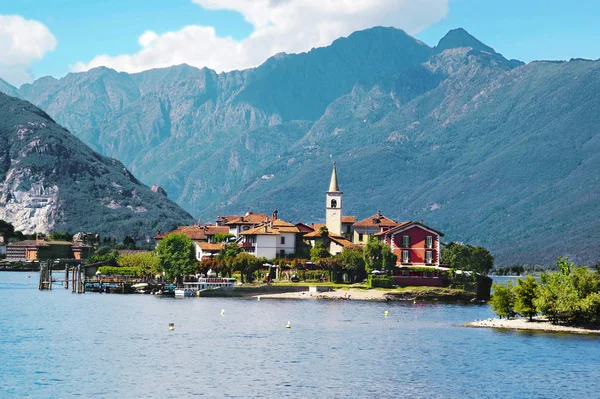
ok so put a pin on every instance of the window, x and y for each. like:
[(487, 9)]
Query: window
[(429, 242), (348, 229), (333, 203), (282, 253), (428, 256), (282, 240), (360, 236), (405, 241), (405, 256), (251, 239)]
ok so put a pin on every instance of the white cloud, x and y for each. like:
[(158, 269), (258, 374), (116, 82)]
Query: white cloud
[(22, 41), (279, 26)]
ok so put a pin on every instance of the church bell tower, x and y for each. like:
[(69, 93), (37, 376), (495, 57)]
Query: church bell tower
[(333, 217)]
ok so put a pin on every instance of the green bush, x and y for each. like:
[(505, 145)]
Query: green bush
[(380, 282)]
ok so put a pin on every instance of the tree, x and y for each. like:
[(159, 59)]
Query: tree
[(222, 237), (246, 264), (7, 230), (564, 266), (467, 257), (378, 256), (61, 236), (147, 264), (177, 255), (525, 294), (318, 252), (353, 263), (129, 242), (503, 300)]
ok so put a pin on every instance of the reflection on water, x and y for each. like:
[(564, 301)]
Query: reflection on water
[(58, 344)]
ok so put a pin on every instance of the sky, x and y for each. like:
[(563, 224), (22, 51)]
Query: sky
[(55, 37)]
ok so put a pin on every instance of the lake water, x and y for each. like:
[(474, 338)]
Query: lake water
[(55, 344)]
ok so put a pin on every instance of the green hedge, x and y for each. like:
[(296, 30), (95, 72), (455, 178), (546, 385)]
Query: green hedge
[(118, 271), (380, 282)]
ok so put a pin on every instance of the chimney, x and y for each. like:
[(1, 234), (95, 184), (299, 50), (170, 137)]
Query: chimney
[(265, 228), (271, 224), (422, 221), (275, 214), (379, 213), (158, 232)]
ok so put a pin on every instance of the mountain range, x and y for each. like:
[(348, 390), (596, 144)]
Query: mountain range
[(50, 180), (491, 151)]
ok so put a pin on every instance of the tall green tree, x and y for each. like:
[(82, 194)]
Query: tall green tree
[(378, 256), (177, 255), (525, 294), (318, 252), (467, 257), (503, 300), (353, 263)]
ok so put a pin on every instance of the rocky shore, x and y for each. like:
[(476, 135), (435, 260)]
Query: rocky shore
[(523, 324)]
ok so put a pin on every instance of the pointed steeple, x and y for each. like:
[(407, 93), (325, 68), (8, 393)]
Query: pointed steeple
[(333, 185)]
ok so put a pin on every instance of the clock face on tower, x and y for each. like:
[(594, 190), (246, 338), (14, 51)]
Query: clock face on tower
[(334, 213)]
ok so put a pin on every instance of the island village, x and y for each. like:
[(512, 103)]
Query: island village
[(262, 248)]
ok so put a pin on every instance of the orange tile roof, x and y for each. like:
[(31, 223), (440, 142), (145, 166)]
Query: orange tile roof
[(348, 219), (197, 232), (278, 227), (343, 242), (250, 218), (317, 226), (377, 220), (209, 246)]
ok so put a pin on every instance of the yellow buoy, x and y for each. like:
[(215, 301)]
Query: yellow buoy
[(222, 312), (386, 313), (288, 325), (415, 301), (171, 326), (258, 298)]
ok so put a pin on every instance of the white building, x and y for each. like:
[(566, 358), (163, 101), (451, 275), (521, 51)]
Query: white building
[(274, 239)]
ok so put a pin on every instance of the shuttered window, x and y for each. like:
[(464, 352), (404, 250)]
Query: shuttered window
[(428, 256), (405, 241), (429, 242), (405, 256)]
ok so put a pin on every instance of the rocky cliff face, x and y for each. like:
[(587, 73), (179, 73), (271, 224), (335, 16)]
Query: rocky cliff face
[(51, 180), (489, 150)]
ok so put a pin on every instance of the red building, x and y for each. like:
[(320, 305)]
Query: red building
[(417, 247)]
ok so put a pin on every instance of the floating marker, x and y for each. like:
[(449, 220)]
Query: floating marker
[(386, 313), (171, 326), (415, 301), (258, 298), (222, 312), (288, 325)]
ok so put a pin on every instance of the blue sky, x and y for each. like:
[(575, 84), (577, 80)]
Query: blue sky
[(83, 31)]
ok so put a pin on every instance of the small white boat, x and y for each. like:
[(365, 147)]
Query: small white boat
[(29, 276), (192, 288)]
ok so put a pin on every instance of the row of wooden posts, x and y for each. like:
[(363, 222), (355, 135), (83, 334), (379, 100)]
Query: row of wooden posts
[(77, 282)]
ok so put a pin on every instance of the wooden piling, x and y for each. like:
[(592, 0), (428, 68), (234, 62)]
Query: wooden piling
[(66, 277), (73, 280)]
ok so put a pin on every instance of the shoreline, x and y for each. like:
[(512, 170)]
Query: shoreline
[(538, 324), (430, 295)]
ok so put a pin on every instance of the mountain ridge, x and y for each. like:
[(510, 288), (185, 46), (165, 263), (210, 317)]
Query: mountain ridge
[(50, 180), (419, 132)]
